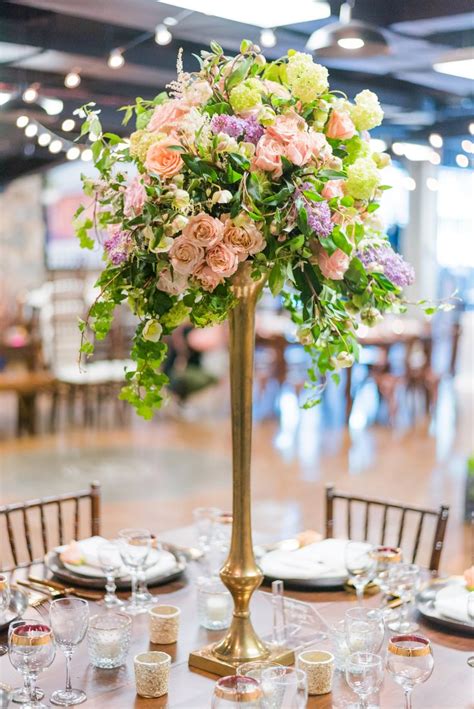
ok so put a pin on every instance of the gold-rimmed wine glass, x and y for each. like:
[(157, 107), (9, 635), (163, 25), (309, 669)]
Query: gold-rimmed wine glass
[(31, 649), (410, 662)]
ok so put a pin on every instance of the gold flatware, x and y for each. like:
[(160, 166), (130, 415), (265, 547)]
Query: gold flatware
[(45, 593), (54, 586)]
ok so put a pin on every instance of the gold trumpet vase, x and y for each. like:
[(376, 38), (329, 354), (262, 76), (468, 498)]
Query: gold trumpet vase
[(240, 573)]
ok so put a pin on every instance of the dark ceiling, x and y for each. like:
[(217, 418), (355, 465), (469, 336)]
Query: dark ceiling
[(41, 40)]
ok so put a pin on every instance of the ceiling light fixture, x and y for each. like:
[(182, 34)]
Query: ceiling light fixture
[(68, 125), (30, 94), (471, 128), (73, 153), (347, 35), (268, 38), (72, 79), (22, 121), (56, 146), (436, 140), (86, 155), (31, 130), (44, 139), (462, 160), (162, 35), (116, 59)]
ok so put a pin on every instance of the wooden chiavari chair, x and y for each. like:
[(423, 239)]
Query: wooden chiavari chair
[(30, 529), (400, 525)]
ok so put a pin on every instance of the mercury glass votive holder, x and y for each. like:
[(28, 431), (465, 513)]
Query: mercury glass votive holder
[(108, 639), (215, 605), (152, 670), (164, 624)]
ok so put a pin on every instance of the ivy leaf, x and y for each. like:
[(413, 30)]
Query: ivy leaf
[(341, 241), (276, 279), (372, 207), (313, 196)]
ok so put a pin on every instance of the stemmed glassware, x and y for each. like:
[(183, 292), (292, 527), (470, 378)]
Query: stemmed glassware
[(410, 662), (404, 580), (110, 563), (236, 690), (134, 546), (361, 565), (31, 649), (364, 675), (69, 620), (384, 557), (364, 629), (22, 694), (284, 687)]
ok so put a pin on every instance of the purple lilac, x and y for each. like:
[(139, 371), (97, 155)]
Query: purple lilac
[(253, 131), (394, 266), (318, 213), (230, 125), (118, 246)]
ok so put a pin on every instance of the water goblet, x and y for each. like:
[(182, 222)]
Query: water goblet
[(385, 556), (21, 694), (410, 662), (31, 650), (69, 620), (364, 629), (236, 690), (4, 594), (284, 688), (364, 675), (361, 565), (256, 668), (404, 579), (110, 563), (134, 546), (205, 519)]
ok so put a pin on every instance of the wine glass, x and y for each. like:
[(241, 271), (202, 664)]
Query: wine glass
[(364, 629), (21, 695), (404, 579), (205, 519), (31, 649), (4, 594), (385, 556), (285, 687), (69, 620), (410, 662), (110, 563), (236, 690), (134, 546), (364, 675), (361, 565)]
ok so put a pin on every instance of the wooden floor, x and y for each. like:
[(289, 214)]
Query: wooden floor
[(154, 474)]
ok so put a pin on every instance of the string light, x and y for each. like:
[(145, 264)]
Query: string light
[(30, 94), (351, 42), (72, 79), (73, 153), (68, 125), (31, 130), (435, 159), (162, 35), (432, 184), (44, 139), (22, 121), (116, 59), (409, 184), (436, 140), (471, 128), (56, 146), (86, 155), (268, 38), (462, 160), (467, 146)]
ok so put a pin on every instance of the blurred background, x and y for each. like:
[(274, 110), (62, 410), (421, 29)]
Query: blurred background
[(399, 425)]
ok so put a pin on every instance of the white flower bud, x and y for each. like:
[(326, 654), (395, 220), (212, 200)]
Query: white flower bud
[(152, 331), (221, 197)]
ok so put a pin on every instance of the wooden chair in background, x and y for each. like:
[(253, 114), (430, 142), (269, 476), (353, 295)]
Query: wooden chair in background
[(30, 529), (400, 525)]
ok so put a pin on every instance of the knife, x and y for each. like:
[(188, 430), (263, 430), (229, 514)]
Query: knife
[(67, 590)]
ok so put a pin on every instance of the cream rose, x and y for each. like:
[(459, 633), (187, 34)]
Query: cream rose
[(185, 255), (299, 150), (207, 278), (244, 239), (204, 230), (172, 284), (222, 260), (163, 161)]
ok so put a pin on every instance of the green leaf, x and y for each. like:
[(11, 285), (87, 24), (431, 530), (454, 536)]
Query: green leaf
[(296, 242), (218, 108), (341, 241), (347, 201), (332, 174), (372, 207), (239, 74), (276, 279), (314, 196), (356, 277)]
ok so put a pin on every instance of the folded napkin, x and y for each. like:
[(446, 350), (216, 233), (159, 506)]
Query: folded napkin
[(82, 558), (319, 560), (451, 601)]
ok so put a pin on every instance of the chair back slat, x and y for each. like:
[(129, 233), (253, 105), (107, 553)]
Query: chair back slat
[(407, 526), (33, 525)]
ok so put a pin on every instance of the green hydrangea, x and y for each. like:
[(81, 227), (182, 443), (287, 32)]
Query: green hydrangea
[(306, 79), (356, 148), (366, 113), (246, 95), (140, 141), (175, 315), (362, 178)]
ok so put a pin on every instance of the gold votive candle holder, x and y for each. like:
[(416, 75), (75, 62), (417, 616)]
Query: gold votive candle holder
[(152, 670), (164, 624), (319, 668)]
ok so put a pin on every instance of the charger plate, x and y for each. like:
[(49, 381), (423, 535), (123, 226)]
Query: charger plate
[(425, 602)]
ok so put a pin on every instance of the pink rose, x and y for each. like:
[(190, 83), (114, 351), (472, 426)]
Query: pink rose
[(163, 161), (340, 126), (166, 116), (134, 200), (204, 230), (245, 239), (276, 89), (172, 284), (286, 127), (333, 188), (299, 150), (185, 255), (333, 266), (268, 155), (198, 93), (322, 151), (208, 278), (222, 260)]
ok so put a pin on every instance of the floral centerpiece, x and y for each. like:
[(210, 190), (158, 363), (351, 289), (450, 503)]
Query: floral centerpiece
[(241, 161)]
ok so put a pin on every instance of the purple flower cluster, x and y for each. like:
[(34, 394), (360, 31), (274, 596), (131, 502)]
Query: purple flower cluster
[(118, 246), (318, 213), (394, 266), (235, 127)]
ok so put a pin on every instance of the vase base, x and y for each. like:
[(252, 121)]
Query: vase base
[(205, 660)]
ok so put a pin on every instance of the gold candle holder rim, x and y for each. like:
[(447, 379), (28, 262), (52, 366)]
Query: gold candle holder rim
[(409, 651), (164, 611), (155, 661)]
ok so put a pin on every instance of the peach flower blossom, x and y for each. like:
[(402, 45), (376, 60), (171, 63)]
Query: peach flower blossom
[(198, 93), (340, 126), (333, 266), (321, 149), (245, 239), (268, 155), (134, 199), (185, 255), (167, 115), (163, 161), (172, 284), (333, 188), (222, 260), (207, 278), (204, 230), (276, 89), (299, 150), (286, 127)]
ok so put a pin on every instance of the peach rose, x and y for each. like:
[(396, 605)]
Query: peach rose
[(185, 255), (198, 93), (134, 199), (166, 116), (299, 150), (268, 155), (245, 239), (321, 149), (286, 127), (333, 188), (204, 230), (207, 278), (163, 161), (333, 266), (172, 284), (276, 89), (222, 260), (340, 126)]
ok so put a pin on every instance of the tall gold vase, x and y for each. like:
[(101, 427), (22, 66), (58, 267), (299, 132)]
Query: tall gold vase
[(240, 572)]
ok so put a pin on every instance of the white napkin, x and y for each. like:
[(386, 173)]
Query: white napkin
[(159, 561), (451, 601), (319, 560)]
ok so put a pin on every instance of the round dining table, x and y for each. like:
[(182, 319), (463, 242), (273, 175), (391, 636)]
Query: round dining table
[(450, 686)]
